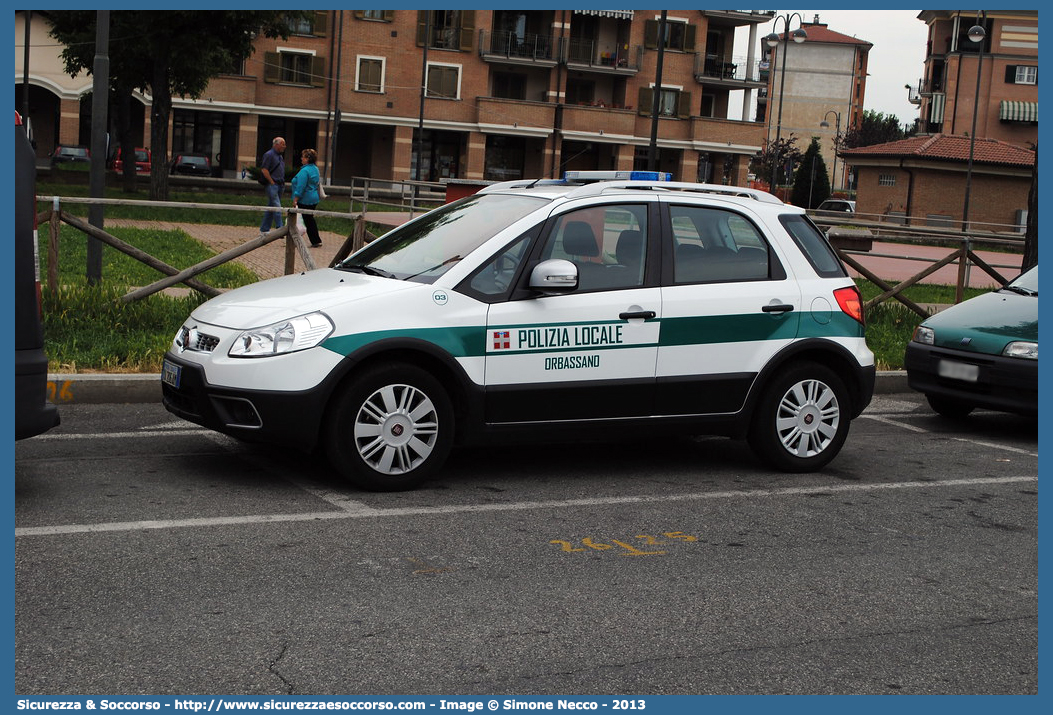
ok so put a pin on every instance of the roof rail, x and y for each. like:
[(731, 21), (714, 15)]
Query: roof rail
[(520, 184), (601, 186)]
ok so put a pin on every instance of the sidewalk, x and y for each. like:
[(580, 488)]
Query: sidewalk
[(267, 261)]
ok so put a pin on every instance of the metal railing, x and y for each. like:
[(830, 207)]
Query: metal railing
[(513, 45)]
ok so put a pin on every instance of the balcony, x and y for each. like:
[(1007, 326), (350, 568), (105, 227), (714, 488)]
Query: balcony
[(511, 47), (734, 72), (590, 55)]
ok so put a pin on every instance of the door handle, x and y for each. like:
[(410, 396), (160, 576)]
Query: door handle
[(638, 315), (777, 308)]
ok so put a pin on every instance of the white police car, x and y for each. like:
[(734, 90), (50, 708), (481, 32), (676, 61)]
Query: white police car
[(545, 309)]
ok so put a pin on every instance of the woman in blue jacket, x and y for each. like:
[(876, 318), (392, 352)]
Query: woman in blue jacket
[(305, 192)]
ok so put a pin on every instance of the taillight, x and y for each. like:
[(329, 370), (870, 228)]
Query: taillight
[(851, 302)]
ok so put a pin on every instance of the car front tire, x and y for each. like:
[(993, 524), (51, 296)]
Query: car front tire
[(801, 420), (391, 429), (949, 407)]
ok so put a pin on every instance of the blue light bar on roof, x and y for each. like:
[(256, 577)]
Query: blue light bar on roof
[(617, 176)]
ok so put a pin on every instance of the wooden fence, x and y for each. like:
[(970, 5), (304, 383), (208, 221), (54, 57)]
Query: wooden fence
[(294, 245), (851, 240)]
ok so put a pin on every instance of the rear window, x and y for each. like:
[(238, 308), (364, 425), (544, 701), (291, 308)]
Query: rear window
[(813, 245)]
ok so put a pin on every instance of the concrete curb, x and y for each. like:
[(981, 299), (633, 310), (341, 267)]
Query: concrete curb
[(99, 389)]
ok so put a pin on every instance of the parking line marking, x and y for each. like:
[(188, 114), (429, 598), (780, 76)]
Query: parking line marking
[(993, 445), (120, 435), (514, 506), (895, 423)]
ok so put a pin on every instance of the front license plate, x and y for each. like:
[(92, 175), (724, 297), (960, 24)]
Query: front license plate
[(959, 371), (170, 374)]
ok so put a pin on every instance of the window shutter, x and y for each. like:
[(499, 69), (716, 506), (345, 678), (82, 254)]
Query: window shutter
[(467, 30), (272, 66), (1010, 74), (689, 38), (683, 105), (389, 15), (359, 14), (317, 71), (651, 34), (422, 27), (645, 101), (321, 23)]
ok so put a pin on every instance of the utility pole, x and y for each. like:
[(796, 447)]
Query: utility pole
[(656, 97), (100, 101)]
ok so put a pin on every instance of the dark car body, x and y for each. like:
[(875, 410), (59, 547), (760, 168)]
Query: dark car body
[(980, 353), (33, 413), (192, 165), (142, 161), (67, 154)]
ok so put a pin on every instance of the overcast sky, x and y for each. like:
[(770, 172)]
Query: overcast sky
[(896, 59)]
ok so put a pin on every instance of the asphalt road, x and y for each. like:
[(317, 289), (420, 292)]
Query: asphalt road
[(153, 557)]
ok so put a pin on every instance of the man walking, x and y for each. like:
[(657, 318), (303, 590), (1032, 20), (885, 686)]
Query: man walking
[(272, 167)]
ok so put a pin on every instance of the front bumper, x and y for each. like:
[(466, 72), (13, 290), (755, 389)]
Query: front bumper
[(1004, 384), (286, 418)]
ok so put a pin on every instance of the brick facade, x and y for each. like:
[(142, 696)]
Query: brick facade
[(530, 93)]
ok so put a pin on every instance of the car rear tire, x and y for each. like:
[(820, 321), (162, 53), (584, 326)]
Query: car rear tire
[(949, 407), (391, 429), (802, 419)]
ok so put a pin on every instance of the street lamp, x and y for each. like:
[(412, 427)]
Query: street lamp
[(773, 39), (837, 132), (977, 33)]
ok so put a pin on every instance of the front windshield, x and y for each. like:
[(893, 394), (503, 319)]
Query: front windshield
[(425, 249), (1027, 280)]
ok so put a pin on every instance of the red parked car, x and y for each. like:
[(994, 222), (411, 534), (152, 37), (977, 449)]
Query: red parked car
[(142, 161)]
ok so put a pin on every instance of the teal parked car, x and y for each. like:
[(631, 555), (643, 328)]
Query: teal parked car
[(980, 353)]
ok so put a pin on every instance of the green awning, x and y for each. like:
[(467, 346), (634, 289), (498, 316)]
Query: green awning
[(1011, 111)]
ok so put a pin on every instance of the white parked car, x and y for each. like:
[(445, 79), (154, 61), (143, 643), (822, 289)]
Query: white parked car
[(547, 309)]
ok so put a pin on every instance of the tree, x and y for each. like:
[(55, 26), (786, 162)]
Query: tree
[(166, 52), (874, 128), (811, 184), (1031, 231), (778, 157)]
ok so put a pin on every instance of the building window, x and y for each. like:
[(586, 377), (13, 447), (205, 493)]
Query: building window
[(295, 68), (668, 100), (378, 15), (370, 74), (508, 85), (672, 102), (1026, 75), (301, 68), (580, 91), (446, 29), (301, 25), (444, 81), (679, 34), (886, 180), (314, 24)]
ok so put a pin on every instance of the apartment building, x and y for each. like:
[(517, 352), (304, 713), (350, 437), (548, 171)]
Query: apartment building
[(1001, 72), (480, 95), (822, 79)]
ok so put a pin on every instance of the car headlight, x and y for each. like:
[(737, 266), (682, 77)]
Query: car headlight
[(287, 336), (925, 336), (1021, 349)]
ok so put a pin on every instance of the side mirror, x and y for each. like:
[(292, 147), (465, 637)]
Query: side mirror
[(554, 277)]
